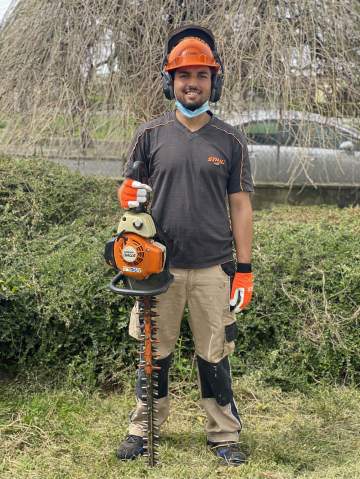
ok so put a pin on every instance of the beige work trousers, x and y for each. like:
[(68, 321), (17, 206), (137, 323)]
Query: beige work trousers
[(206, 292)]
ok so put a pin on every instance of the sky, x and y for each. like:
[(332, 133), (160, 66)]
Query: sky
[(3, 7)]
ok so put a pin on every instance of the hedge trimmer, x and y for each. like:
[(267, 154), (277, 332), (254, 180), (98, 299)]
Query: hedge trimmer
[(143, 272)]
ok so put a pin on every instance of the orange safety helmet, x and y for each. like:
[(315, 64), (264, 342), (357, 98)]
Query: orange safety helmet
[(191, 51)]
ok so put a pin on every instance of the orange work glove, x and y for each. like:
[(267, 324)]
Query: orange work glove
[(241, 291), (131, 193)]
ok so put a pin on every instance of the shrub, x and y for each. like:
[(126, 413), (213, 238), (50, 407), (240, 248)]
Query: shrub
[(55, 308), (303, 323)]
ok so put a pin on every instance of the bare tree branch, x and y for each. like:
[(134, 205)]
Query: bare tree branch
[(91, 69)]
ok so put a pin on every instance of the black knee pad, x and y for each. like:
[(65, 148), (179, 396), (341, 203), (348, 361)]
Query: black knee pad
[(162, 378), (215, 380)]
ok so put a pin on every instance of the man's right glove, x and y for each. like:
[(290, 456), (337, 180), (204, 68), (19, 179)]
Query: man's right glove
[(131, 193)]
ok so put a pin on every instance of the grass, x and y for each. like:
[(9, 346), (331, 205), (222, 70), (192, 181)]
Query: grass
[(64, 433)]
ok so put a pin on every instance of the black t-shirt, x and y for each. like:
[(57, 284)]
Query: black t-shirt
[(191, 174)]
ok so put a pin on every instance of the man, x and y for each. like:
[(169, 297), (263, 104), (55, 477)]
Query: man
[(196, 165)]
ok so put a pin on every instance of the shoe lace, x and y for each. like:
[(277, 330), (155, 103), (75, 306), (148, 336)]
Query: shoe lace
[(227, 449), (132, 438), (234, 448)]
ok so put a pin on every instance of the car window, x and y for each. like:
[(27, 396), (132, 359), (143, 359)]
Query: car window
[(315, 135), (271, 132), (263, 132), (289, 133), (296, 133)]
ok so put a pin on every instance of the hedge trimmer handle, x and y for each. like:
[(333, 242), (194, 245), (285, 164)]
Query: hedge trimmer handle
[(156, 284), (136, 174)]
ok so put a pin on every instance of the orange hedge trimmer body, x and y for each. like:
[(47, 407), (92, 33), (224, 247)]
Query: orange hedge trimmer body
[(143, 273), (138, 257)]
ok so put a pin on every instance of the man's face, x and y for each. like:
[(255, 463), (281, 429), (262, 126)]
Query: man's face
[(192, 86)]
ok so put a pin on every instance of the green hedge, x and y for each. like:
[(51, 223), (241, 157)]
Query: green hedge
[(55, 308), (56, 312), (304, 322)]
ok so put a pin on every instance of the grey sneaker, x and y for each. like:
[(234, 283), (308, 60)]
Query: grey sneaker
[(131, 447), (228, 452)]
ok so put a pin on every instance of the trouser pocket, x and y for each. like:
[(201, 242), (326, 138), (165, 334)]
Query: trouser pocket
[(229, 269), (231, 332)]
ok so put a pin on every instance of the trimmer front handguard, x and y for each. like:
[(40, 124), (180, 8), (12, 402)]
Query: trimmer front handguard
[(154, 285)]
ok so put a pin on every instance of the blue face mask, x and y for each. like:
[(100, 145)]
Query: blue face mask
[(192, 113)]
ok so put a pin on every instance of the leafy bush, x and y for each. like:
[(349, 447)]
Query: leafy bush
[(303, 323), (55, 308), (57, 313)]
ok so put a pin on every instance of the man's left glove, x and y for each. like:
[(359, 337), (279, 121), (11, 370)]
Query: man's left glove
[(241, 291)]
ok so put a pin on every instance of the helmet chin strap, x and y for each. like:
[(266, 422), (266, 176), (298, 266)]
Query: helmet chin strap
[(192, 113)]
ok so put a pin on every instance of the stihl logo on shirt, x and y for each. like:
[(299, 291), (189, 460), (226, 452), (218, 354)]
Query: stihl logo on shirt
[(216, 161)]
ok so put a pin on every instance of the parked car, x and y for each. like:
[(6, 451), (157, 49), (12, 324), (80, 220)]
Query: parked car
[(296, 148)]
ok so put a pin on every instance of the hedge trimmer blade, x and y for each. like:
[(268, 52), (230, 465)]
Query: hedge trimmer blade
[(149, 384)]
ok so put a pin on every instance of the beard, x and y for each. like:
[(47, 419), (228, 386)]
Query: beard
[(192, 106)]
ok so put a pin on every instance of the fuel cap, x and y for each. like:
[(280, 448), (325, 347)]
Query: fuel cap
[(137, 224)]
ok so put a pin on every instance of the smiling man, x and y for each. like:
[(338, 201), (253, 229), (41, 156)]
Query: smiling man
[(196, 166)]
